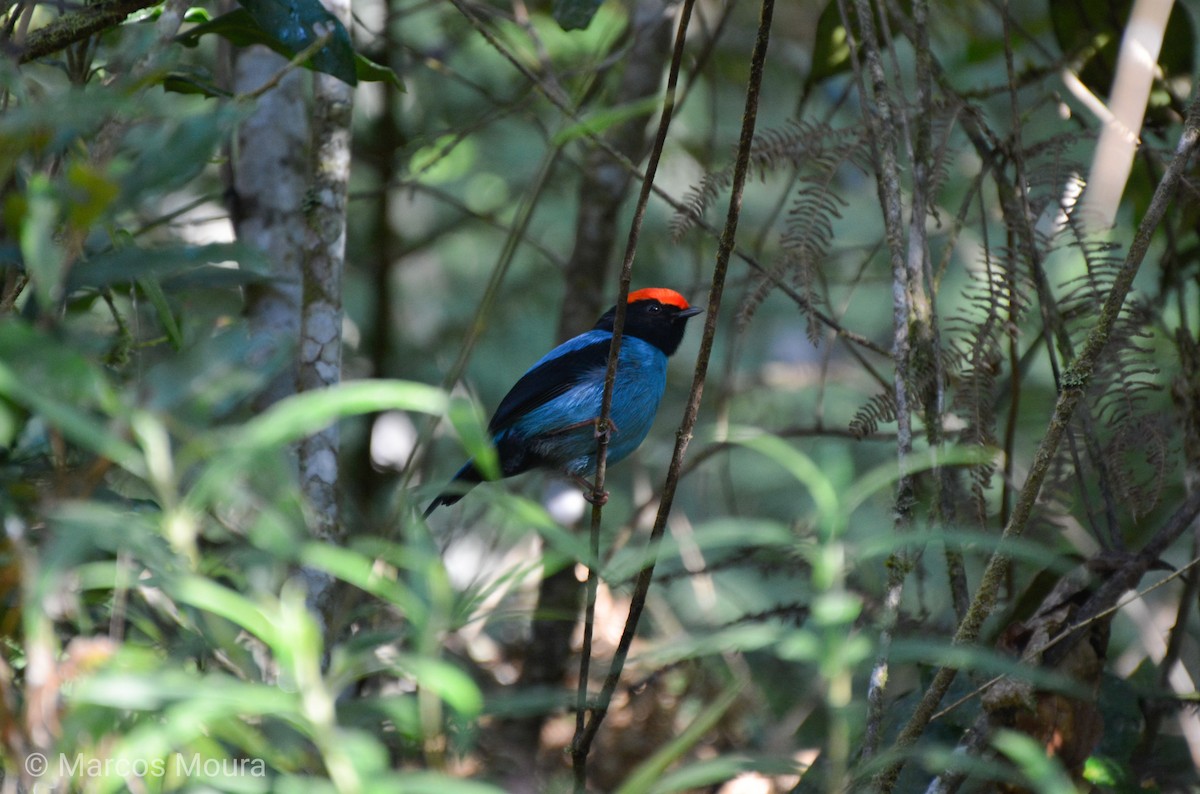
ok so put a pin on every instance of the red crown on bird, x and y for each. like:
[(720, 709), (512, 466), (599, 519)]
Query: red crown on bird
[(667, 297)]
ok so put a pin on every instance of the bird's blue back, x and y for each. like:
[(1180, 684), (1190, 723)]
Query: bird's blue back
[(541, 433)]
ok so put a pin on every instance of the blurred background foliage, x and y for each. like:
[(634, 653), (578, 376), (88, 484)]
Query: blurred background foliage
[(157, 556)]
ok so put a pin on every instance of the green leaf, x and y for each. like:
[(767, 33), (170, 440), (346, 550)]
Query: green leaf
[(713, 538), (298, 24), (364, 573), (984, 661), (601, 120), (575, 14), (1104, 771), (302, 414), (193, 81), (369, 71), (153, 290), (741, 638), (703, 775), (436, 783), (238, 28), (130, 263), (1044, 774), (288, 27), (171, 152), (831, 46), (44, 258), (472, 431), (33, 367), (836, 608), (652, 769), (209, 377), (831, 519), (233, 606), (445, 680)]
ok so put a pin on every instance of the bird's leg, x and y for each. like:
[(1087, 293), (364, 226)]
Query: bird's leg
[(611, 430), (593, 422), (589, 490)]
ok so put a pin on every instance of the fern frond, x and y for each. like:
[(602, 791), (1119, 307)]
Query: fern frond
[(878, 410), (1128, 449)]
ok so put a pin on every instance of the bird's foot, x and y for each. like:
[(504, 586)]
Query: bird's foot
[(593, 498), (589, 491), (610, 430), (594, 423)]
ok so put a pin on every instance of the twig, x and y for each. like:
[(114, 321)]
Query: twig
[(976, 736), (1075, 379), (296, 62), (603, 190), (579, 745), (1103, 601), (1018, 215), (691, 412), (559, 102), (1154, 709), (880, 118), (1178, 521)]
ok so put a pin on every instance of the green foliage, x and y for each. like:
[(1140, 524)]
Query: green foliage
[(289, 29), (157, 561), (575, 14), (160, 577), (218, 657)]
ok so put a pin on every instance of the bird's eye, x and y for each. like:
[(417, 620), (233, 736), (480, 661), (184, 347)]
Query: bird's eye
[(655, 308)]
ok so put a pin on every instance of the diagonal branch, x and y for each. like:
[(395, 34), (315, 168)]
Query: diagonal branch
[(1074, 382), (580, 745), (74, 26), (604, 425), (691, 412)]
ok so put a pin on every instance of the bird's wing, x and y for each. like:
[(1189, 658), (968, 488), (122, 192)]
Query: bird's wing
[(559, 370)]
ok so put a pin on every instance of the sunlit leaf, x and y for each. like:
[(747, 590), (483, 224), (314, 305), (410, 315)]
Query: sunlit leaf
[(158, 299), (367, 574), (303, 414), (651, 770), (831, 45), (208, 595), (471, 427), (1044, 773), (600, 121), (45, 260), (449, 683), (130, 263)]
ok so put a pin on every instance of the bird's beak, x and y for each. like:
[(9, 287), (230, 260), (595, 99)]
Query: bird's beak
[(690, 312)]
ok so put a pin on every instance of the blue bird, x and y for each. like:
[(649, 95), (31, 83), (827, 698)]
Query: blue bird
[(548, 420)]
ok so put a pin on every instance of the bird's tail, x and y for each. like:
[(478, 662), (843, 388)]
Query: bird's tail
[(466, 479)]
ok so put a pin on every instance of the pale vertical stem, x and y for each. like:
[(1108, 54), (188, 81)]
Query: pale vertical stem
[(320, 356), (906, 267), (1119, 137), (269, 178)]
